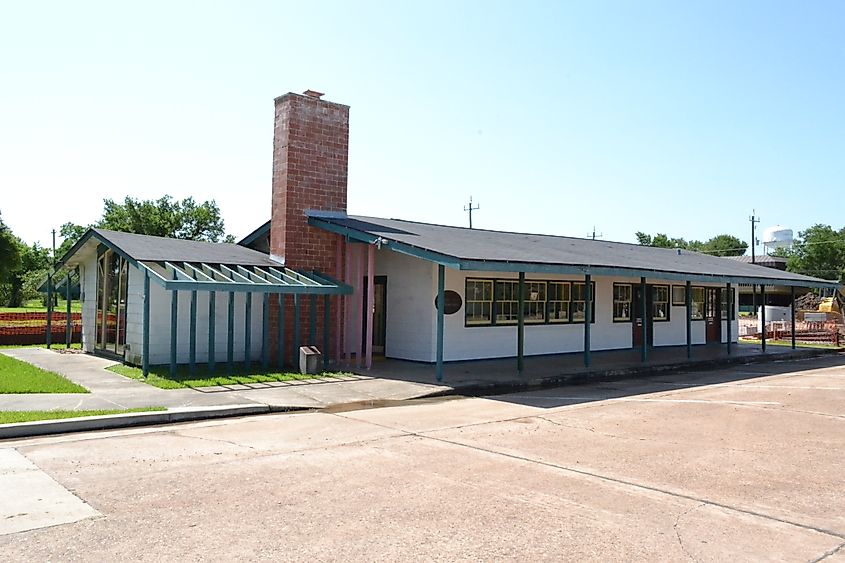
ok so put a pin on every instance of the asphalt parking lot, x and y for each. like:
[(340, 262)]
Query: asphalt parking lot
[(746, 463)]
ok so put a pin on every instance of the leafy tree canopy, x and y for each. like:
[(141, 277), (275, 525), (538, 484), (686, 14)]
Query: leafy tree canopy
[(720, 245), (164, 217), (819, 251), (9, 252)]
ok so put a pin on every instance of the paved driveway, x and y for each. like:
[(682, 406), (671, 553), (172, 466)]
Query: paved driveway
[(744, 464)]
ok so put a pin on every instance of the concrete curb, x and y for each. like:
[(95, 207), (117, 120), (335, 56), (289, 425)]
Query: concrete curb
[(615, 374), (111, 421)]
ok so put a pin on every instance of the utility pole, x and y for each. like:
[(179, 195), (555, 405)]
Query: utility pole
[(754, 220), (593, 235), (470, 209)]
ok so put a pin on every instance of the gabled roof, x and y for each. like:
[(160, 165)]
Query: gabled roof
[(189, 265), (485, 250)]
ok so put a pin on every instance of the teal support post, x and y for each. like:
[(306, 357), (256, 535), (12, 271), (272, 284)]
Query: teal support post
[(192, 349), (441, 282), (212, 309), (520, 324), (763, 316), (326, 335), (312, 320), (68, 324), (644, 312), (792, 314), (145, 344), (689, 319), (729, 314), (49, 310), (281, 350), (297, 315), (230, 344), (588, 317), (265, 332), (174, 327), (248, 333)]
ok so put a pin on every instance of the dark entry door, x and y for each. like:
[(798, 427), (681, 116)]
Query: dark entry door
[(637, 317), (379, 313), (713, 314)]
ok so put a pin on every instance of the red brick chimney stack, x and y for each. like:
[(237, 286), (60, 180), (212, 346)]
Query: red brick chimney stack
[(310, 167)]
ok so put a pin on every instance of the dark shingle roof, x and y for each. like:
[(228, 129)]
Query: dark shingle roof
[(146, 248), (480, 245)]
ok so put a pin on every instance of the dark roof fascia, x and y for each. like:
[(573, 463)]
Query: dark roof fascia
[(396, 246), (255, 235), (103, 240), (528, 267)]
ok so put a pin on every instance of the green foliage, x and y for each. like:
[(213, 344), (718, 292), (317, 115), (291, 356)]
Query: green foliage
[(9, 417), (164, 217), (160, 376), (70, 233), (9, 252), (819, 251), (21, 377), (720, 245)]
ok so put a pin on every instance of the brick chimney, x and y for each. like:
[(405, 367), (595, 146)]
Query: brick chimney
[(310, 165)]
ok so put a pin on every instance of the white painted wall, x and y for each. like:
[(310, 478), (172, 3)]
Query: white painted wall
[(411, 318), (88, 287), (410, 305)]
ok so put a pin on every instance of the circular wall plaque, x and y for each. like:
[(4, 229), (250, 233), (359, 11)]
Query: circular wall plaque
[(453, 302)]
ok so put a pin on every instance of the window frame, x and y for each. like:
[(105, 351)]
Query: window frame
[(467, 302), (725, 305), (572, 302), (630, 302), (668, 303), (568, 301), (703, 312), (682, 302), (546, 307)]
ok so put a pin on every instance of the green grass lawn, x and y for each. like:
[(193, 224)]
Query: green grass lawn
[(8, 417), (160, 376), (73, 345), (772, 342), (20, 377), (35, 306)]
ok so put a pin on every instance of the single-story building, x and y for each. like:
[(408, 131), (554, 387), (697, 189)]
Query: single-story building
[(406, 290)]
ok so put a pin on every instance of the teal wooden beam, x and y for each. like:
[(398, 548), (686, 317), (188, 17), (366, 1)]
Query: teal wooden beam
[(145, 344), (281, 350), (520, 323), (441, 282), (728, 303), (326, 324), (588, 317), (265, 331), (792, 315), (297, 315), (192, 352), (68, 325), (312, 326), (689, 319), (174, 326), (230, 344), (644, 312), (248, 333), (49, 310), (763, 316), (212, 310)]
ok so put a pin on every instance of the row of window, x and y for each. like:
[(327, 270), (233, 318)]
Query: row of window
[(496, 302)]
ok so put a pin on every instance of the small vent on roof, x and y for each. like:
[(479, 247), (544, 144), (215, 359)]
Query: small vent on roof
[(313, 94)]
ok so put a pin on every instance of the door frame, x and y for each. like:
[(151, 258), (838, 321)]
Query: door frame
[(382, 281), (636, 319)]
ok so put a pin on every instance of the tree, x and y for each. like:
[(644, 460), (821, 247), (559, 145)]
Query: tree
[(71, 233), (724, 245), (820, 252), (164, 217), (31, 271), (9, 252)]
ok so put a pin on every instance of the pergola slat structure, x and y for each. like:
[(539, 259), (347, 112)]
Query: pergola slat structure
[(213, 278)]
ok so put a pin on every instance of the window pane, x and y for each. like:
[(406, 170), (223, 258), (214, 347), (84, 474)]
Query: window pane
[(479, 302), (622, 302)]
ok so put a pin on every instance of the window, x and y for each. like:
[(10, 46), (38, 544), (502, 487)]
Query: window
[(679, 295), (622, 301), (534, 309), (697, 304), (479, 302), (726, 306), (660, 302), (579, 303), (507, 305), (559, 302)]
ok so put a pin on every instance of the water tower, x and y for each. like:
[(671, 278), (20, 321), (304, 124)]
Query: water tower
[(776, 237)]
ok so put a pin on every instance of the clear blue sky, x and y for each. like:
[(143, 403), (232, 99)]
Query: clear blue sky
[(675, 117)]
